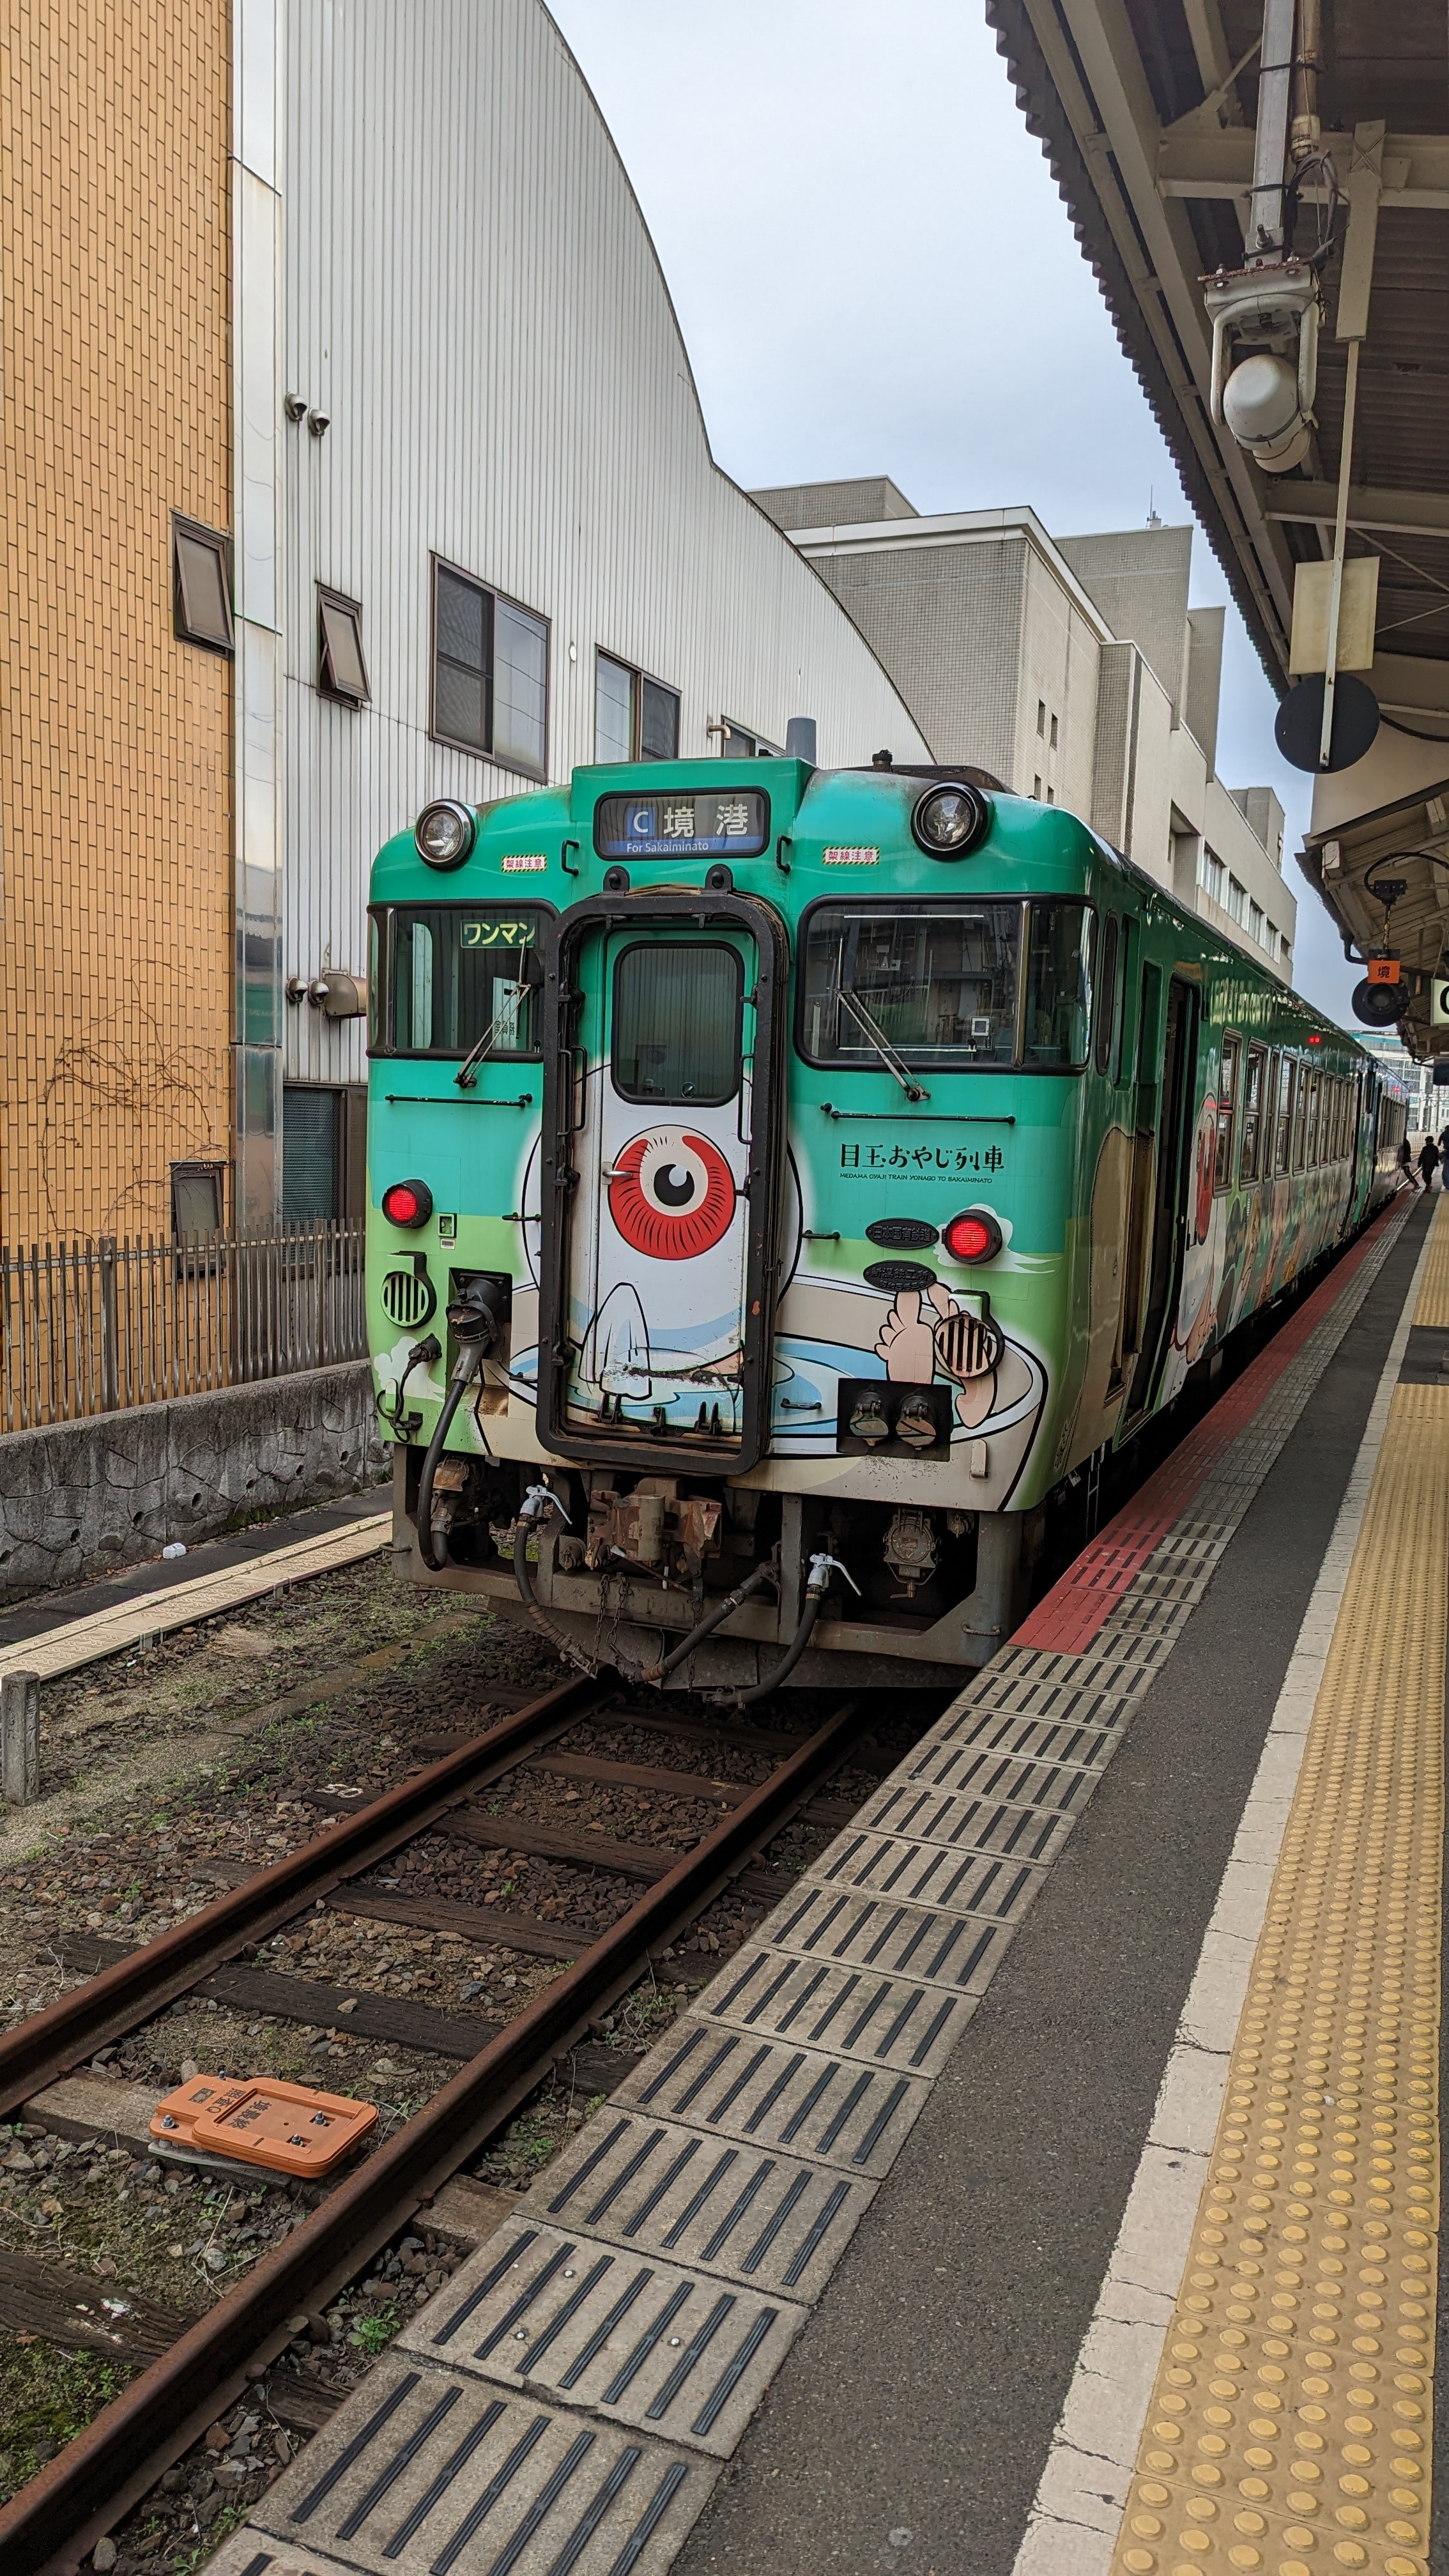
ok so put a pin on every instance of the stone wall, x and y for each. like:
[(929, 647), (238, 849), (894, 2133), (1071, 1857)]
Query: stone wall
[(79, 1499)]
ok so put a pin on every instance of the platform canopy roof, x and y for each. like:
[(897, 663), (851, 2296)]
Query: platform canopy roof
[(1147, 111)]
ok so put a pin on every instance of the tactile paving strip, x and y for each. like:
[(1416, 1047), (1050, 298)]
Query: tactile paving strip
[(435, 2473), (1290, 2425), (807, 2063), (625, 2335), (750, 2213)]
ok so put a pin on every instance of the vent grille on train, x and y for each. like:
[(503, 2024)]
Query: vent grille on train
[(967, 1346), (407, 1298)]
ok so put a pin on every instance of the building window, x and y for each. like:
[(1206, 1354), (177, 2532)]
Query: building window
[(1053, 743), (490, 673), (736, 742), (635, 718), (1237, 901), (201, 586), (197, 1199), (1211, 874), (324, 1150), (1255, 922), (1041, 715), (1036, 790), (1051, 796), (341, 669)]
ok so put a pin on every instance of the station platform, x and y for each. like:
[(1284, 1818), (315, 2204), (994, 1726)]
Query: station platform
[(1050, 2187)]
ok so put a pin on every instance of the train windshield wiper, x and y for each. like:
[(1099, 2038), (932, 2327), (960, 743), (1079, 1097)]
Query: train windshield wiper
[(876, 1037), (467, 1073)]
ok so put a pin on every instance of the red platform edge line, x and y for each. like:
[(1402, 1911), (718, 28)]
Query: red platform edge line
[(1067, 1618)]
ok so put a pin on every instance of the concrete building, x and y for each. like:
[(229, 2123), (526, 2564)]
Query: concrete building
[(1073, 669), (352, 457)]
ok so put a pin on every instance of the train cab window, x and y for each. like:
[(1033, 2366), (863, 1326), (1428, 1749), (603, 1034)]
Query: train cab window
[(1227, 1112), (1254, 1087), (676, 1032), (954, 986), (938, 983), (1106, 995), (458, 978)]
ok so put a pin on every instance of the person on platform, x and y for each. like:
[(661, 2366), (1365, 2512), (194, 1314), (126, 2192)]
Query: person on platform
[(1428, 1162), (1406, 1163)]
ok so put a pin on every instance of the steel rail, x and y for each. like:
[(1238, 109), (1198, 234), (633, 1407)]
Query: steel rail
[(49, 2526), (120, 1997)]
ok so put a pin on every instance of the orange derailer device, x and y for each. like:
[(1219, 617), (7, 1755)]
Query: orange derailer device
[(287, 2127)]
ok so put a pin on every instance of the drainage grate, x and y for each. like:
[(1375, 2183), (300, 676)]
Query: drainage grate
[(872, 1932), (754, 2214), (859, 2015), (744, 2087), (964, 1768), (450, 2477), (1014, 1830), (615, 2330), (922, 1873)]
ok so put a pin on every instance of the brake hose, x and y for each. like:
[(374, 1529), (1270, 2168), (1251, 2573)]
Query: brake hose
[(538, 1500), (715, 1618), (465, 1369), (821, 1569)]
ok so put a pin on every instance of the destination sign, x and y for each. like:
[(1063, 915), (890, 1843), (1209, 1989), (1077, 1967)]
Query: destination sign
[(685, 823)]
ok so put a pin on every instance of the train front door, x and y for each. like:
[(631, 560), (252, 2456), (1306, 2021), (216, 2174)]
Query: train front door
[(1170, 1170), (660, 1292)]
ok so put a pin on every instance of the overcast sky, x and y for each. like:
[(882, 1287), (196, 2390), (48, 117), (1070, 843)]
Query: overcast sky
[(875, 275)]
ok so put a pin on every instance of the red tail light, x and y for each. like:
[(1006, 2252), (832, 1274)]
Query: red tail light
[(972, 1236), (407, 1203)]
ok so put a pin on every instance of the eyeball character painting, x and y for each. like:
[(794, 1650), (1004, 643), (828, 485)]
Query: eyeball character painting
[(659, 1273), (672, 1195)]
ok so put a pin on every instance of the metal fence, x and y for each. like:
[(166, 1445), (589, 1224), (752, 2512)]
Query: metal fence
[(93, 1327)]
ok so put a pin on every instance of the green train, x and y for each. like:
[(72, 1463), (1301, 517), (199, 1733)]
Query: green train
[(782, 1179)]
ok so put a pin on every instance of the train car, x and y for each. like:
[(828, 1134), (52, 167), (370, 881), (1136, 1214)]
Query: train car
[(781, 1180)]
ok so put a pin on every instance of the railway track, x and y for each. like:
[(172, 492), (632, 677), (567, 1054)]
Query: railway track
[(49, 2525)]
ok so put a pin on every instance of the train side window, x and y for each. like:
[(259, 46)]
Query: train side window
[(1300, 1114), (1058, 999), (1283, 1115), (1106, 995), (676, 1035), (1227, 1112), (1315, 1119), (1254, 1089), (1121, 1062), (1105, 980)]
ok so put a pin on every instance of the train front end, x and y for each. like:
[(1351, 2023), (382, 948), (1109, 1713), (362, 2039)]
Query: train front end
[(729, 1304)]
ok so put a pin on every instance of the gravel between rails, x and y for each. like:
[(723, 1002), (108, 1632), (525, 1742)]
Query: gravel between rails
[(226, 1777)]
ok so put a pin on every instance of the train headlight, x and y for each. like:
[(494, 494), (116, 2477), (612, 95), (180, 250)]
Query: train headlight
[(972, 1236), (950, 819), (408, 1203), (445, 833)]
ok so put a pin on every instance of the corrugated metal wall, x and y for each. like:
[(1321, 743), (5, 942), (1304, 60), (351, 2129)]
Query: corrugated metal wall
[(474, 303)]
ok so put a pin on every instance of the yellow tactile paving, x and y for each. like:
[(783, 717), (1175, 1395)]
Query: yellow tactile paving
[(1290, 2426)]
